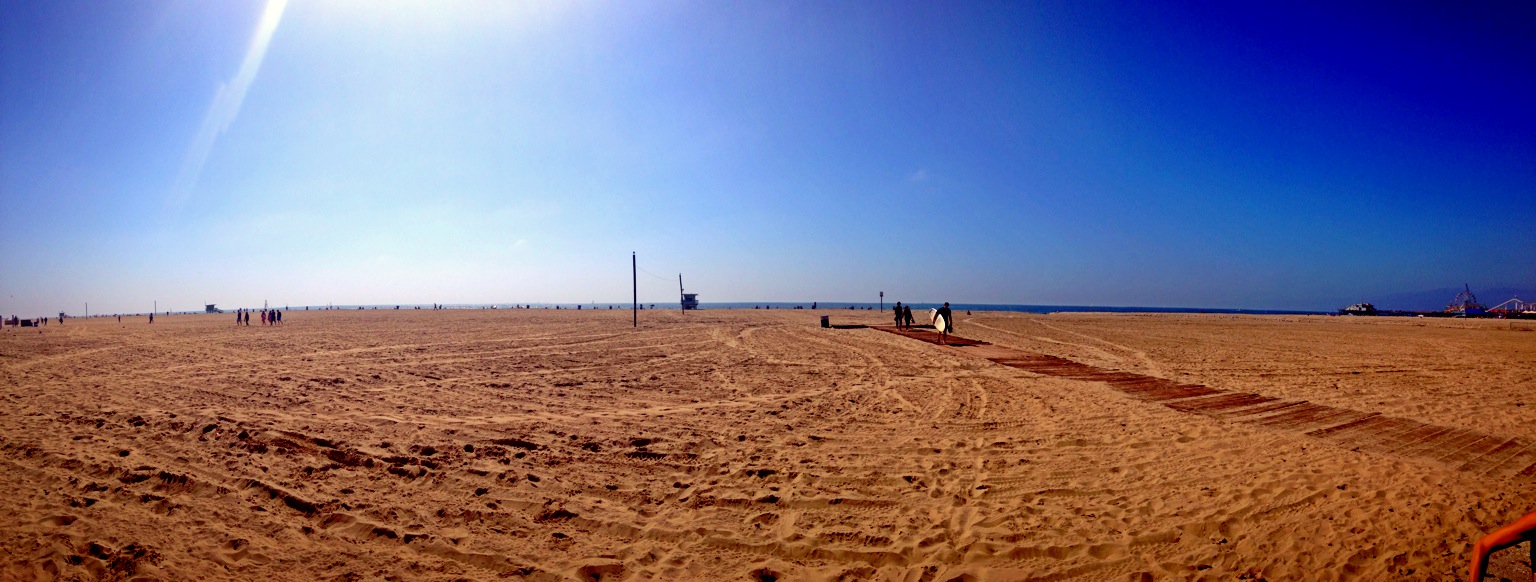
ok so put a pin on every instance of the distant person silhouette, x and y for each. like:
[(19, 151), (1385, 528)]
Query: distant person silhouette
[(896, 309), (949, 323), (906, 315)]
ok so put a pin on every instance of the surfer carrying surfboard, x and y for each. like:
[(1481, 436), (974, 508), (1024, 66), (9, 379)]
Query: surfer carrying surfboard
[(943, 322)]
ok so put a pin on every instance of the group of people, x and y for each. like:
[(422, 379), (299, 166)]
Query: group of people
[(268, 317), (904, 319), (39, 322), (15, 321), (903, 315)]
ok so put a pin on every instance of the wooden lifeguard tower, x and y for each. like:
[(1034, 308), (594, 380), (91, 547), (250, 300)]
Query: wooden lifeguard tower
[(690, 300)]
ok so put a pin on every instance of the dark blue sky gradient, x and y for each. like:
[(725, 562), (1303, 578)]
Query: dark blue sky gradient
[(1222, 154)]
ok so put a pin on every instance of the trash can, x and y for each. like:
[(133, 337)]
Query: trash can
[(826, 321)]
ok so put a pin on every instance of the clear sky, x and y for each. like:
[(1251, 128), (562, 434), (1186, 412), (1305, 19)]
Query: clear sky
[(1223, 154)]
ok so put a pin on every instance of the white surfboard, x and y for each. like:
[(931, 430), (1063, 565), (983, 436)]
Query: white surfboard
[(939, 324), (933, 314)]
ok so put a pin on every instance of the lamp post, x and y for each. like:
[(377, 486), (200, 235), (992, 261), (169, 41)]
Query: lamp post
[(634, 282)]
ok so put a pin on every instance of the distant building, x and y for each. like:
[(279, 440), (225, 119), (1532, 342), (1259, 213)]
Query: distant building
[(690, 301), (211, 309), (1359, 309)]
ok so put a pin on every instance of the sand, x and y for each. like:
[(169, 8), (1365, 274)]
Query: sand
[(755, 445)]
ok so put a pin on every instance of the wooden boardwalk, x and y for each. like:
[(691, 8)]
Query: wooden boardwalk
[(1458, 448)]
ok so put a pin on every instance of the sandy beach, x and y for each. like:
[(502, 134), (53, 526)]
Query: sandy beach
[(755, 445)]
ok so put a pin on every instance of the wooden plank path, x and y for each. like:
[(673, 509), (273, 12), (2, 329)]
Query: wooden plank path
[(1461, 449)]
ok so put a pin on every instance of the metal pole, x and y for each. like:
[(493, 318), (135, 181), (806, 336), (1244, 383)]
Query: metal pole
[(681, 306), (882, 301), (634, 281)]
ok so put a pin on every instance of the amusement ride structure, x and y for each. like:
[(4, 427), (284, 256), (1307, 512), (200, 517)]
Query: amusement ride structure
[(1465, 303), (1514, 306)]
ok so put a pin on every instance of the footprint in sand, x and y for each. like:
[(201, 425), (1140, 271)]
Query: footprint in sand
[(596, 572), (236, 551), (58, 520)]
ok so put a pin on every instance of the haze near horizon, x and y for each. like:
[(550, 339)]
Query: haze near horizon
[(1197, 154)]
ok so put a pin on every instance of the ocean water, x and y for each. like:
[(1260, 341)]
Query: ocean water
[(835, 305), (829, 306)]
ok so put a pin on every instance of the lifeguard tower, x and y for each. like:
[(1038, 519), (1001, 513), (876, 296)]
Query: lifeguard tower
[(690, 300)]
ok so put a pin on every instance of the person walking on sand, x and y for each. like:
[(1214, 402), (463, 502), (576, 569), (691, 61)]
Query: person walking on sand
[(906, 315), (896, 309), (279, 318), (949, 324)]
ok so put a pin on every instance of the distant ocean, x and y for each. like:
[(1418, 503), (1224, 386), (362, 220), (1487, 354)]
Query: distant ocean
[(833, 305), (822, 306), (1425, 301)]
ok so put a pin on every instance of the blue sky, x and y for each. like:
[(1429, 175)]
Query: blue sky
[(1221, 154)]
